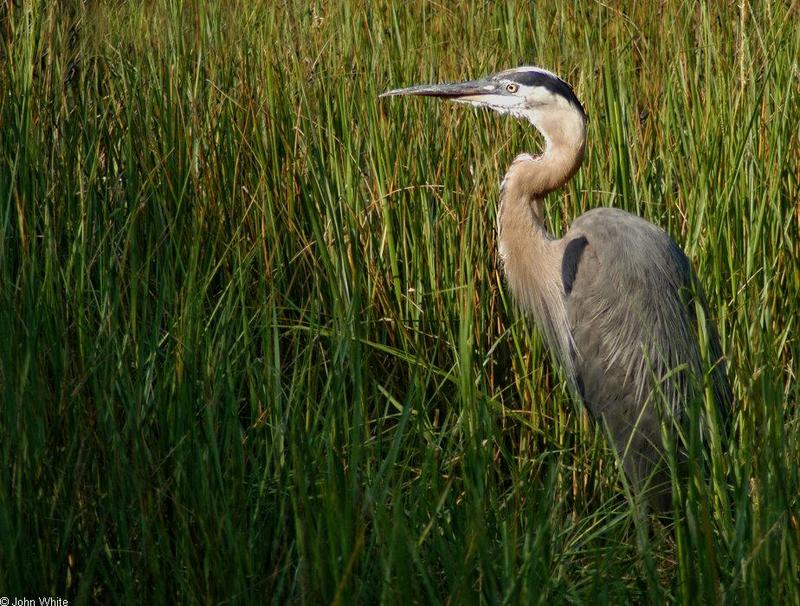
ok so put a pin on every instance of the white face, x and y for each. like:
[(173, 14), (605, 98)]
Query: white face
[(511, 97)]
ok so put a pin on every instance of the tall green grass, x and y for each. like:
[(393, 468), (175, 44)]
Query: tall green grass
[(254, 343)]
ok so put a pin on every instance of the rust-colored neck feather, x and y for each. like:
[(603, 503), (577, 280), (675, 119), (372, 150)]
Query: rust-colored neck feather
[(531, 258), (529, 179)]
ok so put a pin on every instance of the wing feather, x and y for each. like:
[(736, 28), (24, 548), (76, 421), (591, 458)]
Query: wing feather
[(629, 293)]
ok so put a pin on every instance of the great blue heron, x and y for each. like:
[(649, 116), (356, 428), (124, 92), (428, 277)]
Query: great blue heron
[(615, 297)]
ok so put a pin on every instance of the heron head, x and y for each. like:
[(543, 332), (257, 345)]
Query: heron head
[(531, 93)]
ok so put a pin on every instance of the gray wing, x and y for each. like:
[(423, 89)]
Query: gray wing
[(629, 298)]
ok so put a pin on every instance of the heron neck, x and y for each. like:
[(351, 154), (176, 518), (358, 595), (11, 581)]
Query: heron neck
[(529, 253), (531, 258), (530, 178), (527, 182)]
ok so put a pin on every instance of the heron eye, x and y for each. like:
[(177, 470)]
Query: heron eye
[(512, 88)]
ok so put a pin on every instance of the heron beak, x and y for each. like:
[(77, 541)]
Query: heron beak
[(456, 91)]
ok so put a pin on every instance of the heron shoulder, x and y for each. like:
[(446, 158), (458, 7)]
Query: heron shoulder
[(614, 223), (628, 247)]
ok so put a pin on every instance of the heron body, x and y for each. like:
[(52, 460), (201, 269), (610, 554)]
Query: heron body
[(615, 298)]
